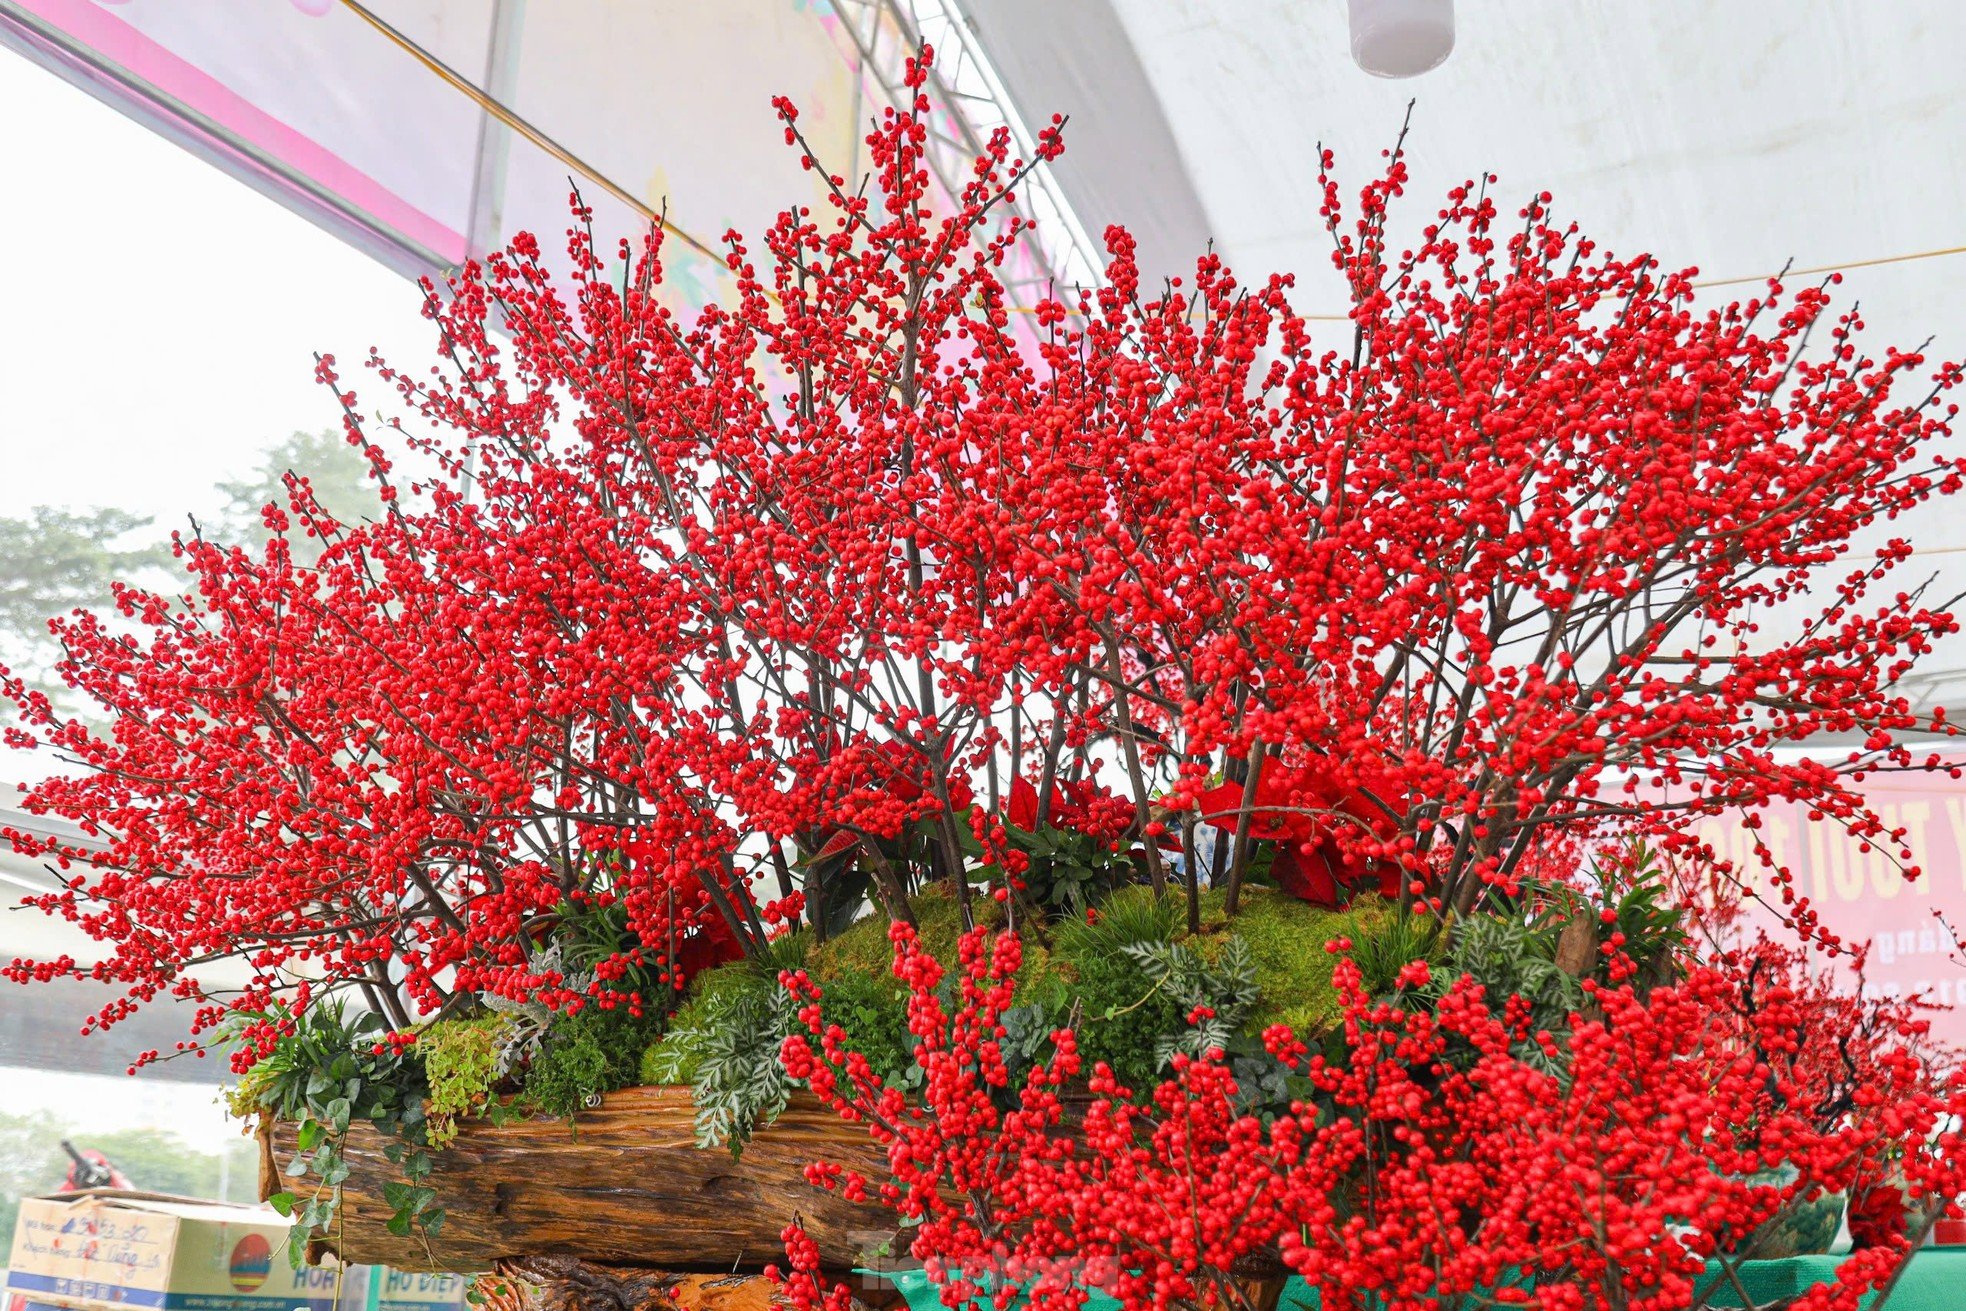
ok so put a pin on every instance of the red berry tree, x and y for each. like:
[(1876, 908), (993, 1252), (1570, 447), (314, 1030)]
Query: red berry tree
[(835, 591)]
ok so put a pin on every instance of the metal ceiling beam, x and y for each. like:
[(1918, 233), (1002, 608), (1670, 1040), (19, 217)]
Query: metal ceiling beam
[(886, 33)]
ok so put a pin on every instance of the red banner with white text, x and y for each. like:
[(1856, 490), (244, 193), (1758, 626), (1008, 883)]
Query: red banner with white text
[(1861, 893)]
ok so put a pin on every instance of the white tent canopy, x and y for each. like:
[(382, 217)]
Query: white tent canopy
[(1734, 138)]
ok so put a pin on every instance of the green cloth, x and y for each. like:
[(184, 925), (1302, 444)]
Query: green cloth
[(1934, 1281)]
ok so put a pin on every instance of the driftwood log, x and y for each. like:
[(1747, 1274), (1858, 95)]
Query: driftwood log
[(563, 1284), (625, 1185), (560, 1284)]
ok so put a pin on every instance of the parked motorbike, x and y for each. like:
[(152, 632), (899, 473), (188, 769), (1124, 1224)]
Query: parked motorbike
[(89, 1168)]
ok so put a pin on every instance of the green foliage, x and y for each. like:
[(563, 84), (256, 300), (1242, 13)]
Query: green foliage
[(723, 1041), (1128, 917), (1215, 997), (585, 1054), (1510, 956), (1138, 976), (327, 1073), (1286, 939), (1393, 943), (1265, 967), (1069, 871), (1128, 979), (1122, 1013), (1511, 949), (461, 1063), (726, 1049), (1633, 888), (592, 938), (1129, 1005), (873, 1012), (864, 948)]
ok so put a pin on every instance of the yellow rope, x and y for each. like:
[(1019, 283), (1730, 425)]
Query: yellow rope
[(504, 114), (507, 116), (1835, 268)]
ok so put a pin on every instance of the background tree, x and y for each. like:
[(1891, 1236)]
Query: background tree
[(157, 1160), (54, 560), (32, 1162), (336, 472)]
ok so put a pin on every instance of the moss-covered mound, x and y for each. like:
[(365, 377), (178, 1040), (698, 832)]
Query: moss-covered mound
[(1083, 976), (1286, 938)]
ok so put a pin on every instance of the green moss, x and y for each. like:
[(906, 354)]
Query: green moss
[(460, 1062), (1083, 972), (1044, 980), (1123, 1015), (864, 948), (590, 1052), (1286, 940)]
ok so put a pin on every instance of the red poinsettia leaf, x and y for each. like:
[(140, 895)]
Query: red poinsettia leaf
[(1220, 806), (1391, 877), (1023, 807), (1307, 876), (838, 844), (1371, 808)]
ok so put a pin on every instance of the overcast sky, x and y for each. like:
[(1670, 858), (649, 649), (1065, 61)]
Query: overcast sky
[(159, 318), (158, 327)]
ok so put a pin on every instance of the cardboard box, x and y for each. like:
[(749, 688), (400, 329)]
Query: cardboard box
[(105, 1249)]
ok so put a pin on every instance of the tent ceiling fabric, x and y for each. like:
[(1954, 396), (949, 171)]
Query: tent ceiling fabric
[(1729, 137), (1122, 163)]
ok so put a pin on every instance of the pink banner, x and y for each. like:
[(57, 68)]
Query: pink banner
[(1862, 895)]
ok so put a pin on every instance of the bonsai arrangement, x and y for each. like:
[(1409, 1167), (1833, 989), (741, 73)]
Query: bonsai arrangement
[(1168, 796)]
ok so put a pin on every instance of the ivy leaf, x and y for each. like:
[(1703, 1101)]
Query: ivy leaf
[(283, 1202)]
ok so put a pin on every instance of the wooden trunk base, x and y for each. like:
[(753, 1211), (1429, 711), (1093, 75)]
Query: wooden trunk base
[(557, 1283), (623, 1186)]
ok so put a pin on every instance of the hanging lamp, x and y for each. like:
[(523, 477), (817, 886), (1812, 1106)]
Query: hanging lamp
[(1401, 38)]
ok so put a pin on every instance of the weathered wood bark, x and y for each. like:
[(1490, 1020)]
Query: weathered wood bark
[(625, 1185), (562, 1284)]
